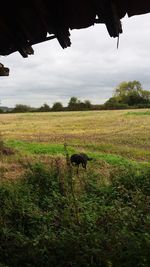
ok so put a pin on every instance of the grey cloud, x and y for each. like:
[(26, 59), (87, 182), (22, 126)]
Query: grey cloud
[(90, 69)]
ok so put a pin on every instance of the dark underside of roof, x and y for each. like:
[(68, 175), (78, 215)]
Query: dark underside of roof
[(42, 20)]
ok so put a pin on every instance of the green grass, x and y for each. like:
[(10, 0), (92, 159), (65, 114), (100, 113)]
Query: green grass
[(53, 216), (58, 150), (138, 113), (38, 148), (108, 136), (46, 221)]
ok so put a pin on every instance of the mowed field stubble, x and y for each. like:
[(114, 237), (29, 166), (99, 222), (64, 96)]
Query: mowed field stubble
[(104, 135)]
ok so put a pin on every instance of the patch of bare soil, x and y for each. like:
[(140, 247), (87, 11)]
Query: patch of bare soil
[(7, 151)]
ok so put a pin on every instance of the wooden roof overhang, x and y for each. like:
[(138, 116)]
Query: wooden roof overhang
[(22, 26)]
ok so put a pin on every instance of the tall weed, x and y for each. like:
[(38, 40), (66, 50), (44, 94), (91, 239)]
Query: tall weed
[(45, 222)]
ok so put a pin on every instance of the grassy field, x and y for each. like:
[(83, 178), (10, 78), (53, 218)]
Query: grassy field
[(54, 216), (114, 137)]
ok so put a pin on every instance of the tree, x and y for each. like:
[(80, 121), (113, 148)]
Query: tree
[(74, 103), (146, 95), (44, 108), (113, 103), (19, 108), (57, 106), (87, 104), (131, 93), (124, 88)]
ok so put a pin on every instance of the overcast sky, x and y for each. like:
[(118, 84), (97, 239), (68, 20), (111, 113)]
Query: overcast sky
[(89, 69)]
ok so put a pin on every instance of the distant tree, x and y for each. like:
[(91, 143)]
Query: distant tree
[(57, 106), (74, 103), (113, 103), (145, 94), (19, 108), (124, 88), (131, 93), (1, 110), (44, 108), (87, 104)]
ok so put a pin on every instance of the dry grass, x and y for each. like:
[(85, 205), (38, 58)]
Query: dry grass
[(124, 133), (106, 128)]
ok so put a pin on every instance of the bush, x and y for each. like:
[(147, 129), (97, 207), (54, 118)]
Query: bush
[(41, 224), (19, 108)]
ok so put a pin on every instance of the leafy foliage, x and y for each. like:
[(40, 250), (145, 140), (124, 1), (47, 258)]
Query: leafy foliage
[(57, 106), (124, 88), (76, 104), (22, 108), (44, 108), (131, 93), (44, 221)]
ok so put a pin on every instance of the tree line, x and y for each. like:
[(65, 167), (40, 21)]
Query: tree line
[(129, 95), (126, 95)]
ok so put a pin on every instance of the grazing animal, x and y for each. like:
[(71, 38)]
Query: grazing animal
[(77, 159)]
